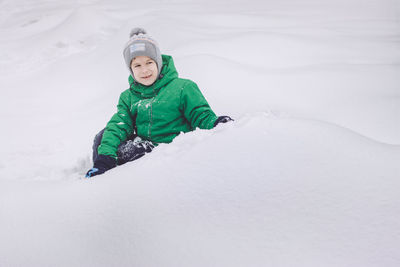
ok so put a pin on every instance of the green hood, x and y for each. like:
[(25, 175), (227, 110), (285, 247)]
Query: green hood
[(168, 73)]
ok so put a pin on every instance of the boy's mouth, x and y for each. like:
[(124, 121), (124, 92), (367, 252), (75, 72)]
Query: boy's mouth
[(146, 77)]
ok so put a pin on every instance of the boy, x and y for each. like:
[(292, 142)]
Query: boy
[(156, 108)]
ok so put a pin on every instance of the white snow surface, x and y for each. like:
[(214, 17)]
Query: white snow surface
[(308, 174)]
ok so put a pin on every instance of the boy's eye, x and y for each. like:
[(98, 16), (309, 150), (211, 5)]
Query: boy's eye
[(150, 62)]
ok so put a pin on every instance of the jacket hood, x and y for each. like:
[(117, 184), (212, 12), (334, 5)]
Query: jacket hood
[(168, 73)]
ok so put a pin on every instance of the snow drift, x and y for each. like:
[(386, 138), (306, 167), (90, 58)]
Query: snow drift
[(307, 175)]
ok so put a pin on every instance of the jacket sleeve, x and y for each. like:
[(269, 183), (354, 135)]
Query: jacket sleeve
[(196, 108), (118, 129)]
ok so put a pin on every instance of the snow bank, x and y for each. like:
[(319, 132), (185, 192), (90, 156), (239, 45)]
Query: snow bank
[(307, 175), (216, 198)]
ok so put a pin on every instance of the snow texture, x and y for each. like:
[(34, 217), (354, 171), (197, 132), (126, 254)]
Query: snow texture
[(306, 175)]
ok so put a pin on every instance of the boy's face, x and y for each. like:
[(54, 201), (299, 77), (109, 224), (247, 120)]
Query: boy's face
[(144, 69)]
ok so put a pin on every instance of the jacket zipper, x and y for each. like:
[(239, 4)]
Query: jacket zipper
[(151, 118), (151, 113)]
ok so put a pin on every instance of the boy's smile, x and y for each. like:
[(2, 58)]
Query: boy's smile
[(144, 70)]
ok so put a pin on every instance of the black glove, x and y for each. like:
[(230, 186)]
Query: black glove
[(133, 149), (222, 119), (102, 164)]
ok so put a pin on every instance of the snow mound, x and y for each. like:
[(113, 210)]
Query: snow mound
[(307, 175), (243, 194)]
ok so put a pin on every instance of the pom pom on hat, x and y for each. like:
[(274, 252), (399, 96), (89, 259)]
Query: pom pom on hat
[(137, 31)]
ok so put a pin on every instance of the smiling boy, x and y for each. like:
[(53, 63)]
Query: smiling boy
[(144, 70), (156, 108)]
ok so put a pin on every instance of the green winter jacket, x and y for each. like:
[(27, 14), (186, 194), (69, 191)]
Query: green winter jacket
[(159, 112)]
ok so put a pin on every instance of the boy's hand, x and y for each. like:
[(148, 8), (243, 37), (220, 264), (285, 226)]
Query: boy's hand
[(93, 172), (222, 119), (102, 164)]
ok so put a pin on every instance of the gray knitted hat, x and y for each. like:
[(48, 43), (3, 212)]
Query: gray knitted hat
[(141, 44)]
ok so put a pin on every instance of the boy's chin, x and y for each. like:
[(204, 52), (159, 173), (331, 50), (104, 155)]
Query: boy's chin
[(147, 83)]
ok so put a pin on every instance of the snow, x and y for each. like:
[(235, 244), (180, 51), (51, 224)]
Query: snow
[(306, 175)]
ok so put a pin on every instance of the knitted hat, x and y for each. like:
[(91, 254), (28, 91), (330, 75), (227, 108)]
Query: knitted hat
[(141, 44)]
